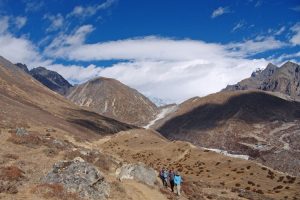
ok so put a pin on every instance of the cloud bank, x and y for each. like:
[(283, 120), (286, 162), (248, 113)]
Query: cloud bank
[(168, 68)]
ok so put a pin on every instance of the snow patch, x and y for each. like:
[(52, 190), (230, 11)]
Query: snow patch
[(164, 112), (225, 153), (105, 108)]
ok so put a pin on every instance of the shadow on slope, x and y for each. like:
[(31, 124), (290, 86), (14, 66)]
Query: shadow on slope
[(253, 107), (95, 122)]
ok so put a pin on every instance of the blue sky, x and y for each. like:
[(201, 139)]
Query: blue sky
[(171, 49)]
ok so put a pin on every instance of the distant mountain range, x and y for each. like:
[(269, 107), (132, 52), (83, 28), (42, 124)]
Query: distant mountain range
[(105, 96)]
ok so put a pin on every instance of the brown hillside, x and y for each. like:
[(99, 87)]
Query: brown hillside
[(207, 175), (255, 123), (111, 98), (24, 102)]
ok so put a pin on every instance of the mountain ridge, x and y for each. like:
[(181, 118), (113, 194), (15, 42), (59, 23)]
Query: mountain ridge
[(284, 79), (112, 98)]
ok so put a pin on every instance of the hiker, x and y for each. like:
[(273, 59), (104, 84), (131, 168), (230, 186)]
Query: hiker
[(177, 181), (162, 176), (166, 176), (171, 179)]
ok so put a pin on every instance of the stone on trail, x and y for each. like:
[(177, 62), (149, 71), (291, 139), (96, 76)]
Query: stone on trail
[(138, 172)]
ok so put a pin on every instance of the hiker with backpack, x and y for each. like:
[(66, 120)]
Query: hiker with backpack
[(166, 176), (177, 182), (171, 179), (162, 176)]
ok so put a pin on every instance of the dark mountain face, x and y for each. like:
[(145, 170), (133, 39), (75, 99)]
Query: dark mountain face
[(23, 67), (254, 123), (51, 79), (285, 79)]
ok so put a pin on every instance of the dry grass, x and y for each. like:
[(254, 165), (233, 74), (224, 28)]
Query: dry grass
[(11, 173), (11, 156), (54, 191), (30, 140), (10, 178)]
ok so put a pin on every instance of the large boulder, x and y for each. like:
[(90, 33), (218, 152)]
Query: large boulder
[(138, 172), (78, 176)]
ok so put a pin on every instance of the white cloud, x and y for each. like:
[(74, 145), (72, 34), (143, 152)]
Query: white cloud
[(80, 11), (4, 24), (20, 22), (238, 26), (285, 57), (280, 31), (56, 22), (20, 50), (147, 48), (72, 47), (295, 39), (75, 73), (220, 11), (258, 45), (7, 22), (65, 42), (258, 3), (33, 5)]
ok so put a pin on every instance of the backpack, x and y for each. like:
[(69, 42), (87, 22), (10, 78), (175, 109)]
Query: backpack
[(171, 175), (161, 173)]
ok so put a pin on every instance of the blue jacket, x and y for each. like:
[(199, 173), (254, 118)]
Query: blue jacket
[(177, 180)]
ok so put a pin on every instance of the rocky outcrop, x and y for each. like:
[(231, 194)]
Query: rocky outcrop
[(138, 172), (113, 99), (23, 67), (78, 176), (51, 79), (285, 80), (255, 81)]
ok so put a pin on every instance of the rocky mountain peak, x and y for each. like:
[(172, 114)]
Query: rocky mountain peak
[(284, 79), (51, 79)]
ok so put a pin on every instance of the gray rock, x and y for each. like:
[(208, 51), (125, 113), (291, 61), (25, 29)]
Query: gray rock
[(58, 143), (50, 130), (138, 172), (80, 177), (21, 132)]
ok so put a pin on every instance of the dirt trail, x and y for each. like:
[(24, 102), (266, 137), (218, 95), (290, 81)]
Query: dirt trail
[(186, 152), (139, 191)]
